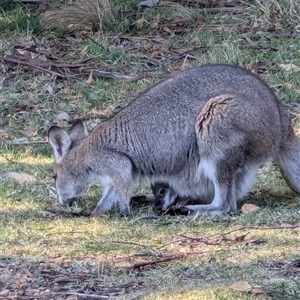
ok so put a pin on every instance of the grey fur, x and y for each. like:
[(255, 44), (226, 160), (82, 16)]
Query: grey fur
[(223, 114)]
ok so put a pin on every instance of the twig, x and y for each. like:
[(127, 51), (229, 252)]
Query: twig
[(179, 55), (131, 243), (146, 217), (163, 260), (26, 63), (158, 261), (200, 239), (16, 143), (261, 228), (125, 77), (170, 243), (217, 10), (269, 35), (80, 295), (65, 232), (34, 1)]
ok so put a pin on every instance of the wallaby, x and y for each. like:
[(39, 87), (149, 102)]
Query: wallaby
[(212, 125)]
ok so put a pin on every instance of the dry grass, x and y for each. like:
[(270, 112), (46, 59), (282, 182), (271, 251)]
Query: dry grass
[(84, 16), (269, 15)]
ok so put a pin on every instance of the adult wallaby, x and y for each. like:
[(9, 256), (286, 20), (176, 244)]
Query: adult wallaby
[(214, 124)]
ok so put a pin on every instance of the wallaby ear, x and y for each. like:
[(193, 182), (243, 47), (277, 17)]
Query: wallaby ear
[(60, 141), (78, 131)]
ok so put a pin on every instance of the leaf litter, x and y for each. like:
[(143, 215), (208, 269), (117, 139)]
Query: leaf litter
[(62, 278)]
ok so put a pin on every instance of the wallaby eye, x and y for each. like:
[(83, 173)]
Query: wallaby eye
[(162, 191)]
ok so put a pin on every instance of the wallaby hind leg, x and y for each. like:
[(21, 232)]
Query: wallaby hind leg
[(224, 180), (229, 145), (288, 160)]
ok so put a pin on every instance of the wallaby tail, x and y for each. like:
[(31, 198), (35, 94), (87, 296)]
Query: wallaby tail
[(288, 160)]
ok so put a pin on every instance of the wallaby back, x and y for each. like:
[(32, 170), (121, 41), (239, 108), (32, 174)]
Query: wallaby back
[(214, 123)]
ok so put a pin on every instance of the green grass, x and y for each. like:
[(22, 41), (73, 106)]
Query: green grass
[(19, 20), (98, 254)]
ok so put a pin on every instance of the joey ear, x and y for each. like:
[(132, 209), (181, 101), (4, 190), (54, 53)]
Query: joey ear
[(78, 131), (59, 140)]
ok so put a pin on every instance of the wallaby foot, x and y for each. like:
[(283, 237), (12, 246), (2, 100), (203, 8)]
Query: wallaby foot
[(224, 181)]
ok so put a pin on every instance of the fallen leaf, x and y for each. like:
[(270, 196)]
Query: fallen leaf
[(249, 208), (62, 117), (258, 290), (50, 89), (67, 89), (22, 177), (140, 22), (43, 57), (168, 30), (292, 205), (155, 22), (156, 241), (90, 79), (287, 85), (4, 292), (84, 51), (241, 238), (148, 3), (289, 67), (279, 195), (30, 132), (241, 286), (183, 250)]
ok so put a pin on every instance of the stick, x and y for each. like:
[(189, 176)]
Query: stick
[(147, 217), (34, 1), (257, 227), (125, 77), (80, 295), (163, 260), (159, 261), (26, 63), (16, 143)]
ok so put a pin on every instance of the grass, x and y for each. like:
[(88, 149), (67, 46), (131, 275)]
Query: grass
[(19, 19), (67, 251)]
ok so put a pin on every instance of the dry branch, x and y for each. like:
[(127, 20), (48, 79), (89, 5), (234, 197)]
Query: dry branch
[(79, 295), (160, 261), (29, 64)]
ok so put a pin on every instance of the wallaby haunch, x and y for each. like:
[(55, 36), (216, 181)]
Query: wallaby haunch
[(204, 131)]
